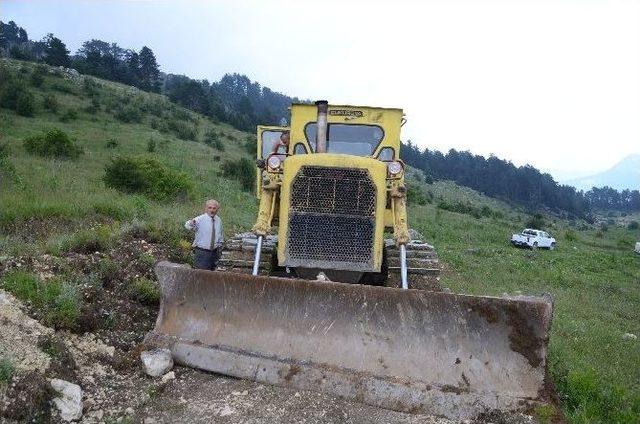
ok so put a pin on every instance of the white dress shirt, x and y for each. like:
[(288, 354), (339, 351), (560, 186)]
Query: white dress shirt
[(204, 226)]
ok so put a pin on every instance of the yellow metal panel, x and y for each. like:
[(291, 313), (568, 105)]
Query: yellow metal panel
[(377, 170)]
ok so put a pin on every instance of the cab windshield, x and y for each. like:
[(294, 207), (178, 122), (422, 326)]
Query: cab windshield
[(350, 139)]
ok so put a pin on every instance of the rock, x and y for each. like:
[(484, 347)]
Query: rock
[(169, 376), (629, 336), (69, 403), (129, 411), (156, 362)]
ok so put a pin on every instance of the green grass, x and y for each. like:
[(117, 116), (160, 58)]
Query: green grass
[(56, 302), (593, 274)]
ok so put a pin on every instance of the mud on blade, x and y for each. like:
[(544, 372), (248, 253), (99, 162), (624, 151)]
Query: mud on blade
[(408, 350)]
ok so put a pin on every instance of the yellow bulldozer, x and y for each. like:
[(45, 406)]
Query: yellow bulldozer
[(316, 297)]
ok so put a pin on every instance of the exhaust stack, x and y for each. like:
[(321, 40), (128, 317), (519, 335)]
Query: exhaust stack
[(321, 134)]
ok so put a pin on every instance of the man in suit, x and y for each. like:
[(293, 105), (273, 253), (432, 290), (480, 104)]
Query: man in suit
[(208, 239)]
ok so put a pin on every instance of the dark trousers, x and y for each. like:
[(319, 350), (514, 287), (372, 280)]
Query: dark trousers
[(205, 259)]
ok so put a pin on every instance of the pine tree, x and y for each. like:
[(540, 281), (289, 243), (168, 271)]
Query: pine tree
[(55, 51), (149, 70)]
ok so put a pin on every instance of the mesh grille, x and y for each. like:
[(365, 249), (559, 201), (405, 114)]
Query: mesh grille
[(331, 218)]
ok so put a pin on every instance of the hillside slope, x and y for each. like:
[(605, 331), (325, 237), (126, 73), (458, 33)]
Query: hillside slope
[(58, 218)]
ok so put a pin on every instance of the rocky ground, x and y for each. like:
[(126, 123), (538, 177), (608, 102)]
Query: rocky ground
[(101, 356)]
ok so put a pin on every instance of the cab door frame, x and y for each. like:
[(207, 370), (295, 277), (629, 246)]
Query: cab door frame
[(261, 129)]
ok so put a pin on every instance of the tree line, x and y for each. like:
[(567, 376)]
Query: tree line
[(524, 185), (235, 99), (243, 103)]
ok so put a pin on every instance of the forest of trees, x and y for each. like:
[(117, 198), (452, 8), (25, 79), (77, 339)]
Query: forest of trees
[(235, 99), (524, 185), (243, 103)]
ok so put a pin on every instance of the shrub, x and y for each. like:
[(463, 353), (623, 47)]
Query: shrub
[(182, 129), (55, 302), (144, 291), (242, 170), (151, 145), (6, 370), (112, 143), (50, 103), (250, 145), (535, 221), (416, 195), (69, 115), (37, 76), (54, 143), (88, 241), (147, 176), (128, 113), (570, 235), (25, 104), (211, 139), (633, 225), (10, 89), (6, 167), (63, 87), (94, 106), (469, 209), (90, 86)]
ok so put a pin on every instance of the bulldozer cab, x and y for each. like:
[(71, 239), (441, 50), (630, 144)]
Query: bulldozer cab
[(351, 130)]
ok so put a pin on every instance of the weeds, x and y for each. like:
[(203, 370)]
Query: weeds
[(88, 240), (145, 291), (241, 170), (57, 303), (6, 371)]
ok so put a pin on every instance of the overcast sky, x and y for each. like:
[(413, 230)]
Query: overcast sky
[(552, 83)]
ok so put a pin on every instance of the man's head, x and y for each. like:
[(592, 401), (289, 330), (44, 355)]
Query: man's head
[(284, 138), (211, 207)]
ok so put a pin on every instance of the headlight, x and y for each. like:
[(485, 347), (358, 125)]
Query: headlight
[(274, 162), (394, 168)]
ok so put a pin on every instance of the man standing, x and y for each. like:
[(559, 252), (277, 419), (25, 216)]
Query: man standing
[(208, 239)]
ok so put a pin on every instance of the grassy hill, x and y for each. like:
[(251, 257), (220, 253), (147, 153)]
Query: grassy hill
[(49, 205)]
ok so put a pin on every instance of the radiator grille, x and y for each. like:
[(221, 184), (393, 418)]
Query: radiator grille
[(331, 219)]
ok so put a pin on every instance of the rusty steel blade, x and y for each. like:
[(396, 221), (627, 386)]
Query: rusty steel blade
[(408, 350)]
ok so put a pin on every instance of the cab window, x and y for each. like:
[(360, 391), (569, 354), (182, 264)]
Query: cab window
[(350, 139), (269, 140)]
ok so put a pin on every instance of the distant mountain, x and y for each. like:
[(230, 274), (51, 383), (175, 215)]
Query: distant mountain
[(624, 175)]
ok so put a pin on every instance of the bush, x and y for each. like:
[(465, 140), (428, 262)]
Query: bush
[(128, 114), (151, 145), (55, 302), (416, 195), (633, 225), (37, 76), (10, 89), (536, 221), (251, 145), (6, 167), (182, 129), (69, 115), (88, 241), (6, 370), (211, 139), (145, 291), (570, 235), (147, 176), (50, 103), (25, 104), (54, 143), (63, 87), (112, 143), (94, 106), (469, 209), (242, 170)]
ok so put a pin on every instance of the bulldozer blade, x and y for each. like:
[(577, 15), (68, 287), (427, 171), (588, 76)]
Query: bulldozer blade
[(409, 350)]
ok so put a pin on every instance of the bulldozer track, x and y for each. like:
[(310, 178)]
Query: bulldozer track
[(423, 268)]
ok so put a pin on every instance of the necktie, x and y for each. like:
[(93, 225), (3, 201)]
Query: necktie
[(213, 232)]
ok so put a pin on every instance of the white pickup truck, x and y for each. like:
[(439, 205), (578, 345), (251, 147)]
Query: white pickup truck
[(533, 239)]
